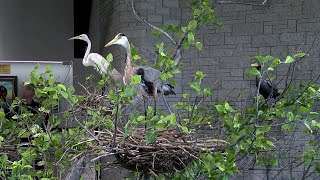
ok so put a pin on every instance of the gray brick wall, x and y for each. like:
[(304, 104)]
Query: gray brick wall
[(276, 29)]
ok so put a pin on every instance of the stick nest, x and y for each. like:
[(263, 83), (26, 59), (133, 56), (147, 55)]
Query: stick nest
[(171, 151)]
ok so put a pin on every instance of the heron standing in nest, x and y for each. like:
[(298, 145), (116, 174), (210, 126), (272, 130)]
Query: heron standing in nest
[(96, 60), (150, 77)]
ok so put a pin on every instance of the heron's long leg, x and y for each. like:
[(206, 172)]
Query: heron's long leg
[(145, 104), (154, 94), (155, 106)]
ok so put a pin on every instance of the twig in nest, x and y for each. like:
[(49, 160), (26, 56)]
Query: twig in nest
[(85, 89), (101, 156)]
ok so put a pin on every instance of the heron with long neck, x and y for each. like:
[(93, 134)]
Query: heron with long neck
[(150, 77), (96, 60), (267, 88)]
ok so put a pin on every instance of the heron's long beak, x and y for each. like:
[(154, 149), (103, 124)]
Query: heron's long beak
[(255, 65), (76, 37), (113, 41)]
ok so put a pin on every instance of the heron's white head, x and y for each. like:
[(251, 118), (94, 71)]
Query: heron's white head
[(83, 37), (119, 39)]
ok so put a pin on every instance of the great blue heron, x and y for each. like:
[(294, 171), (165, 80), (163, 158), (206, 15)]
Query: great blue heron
[(97, 61), (267, 88), (150, 77)]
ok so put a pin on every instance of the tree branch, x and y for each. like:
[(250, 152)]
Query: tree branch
[(149, 24), (75, 118), (252, 4)]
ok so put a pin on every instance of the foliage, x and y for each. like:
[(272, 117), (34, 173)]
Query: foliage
[(44, 139)]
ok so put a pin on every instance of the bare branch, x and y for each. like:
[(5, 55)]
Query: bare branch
[(75, 118), (152, 26), (166, 103), (252, 4)]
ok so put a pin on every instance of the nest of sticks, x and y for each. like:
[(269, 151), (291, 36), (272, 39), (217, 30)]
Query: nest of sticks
[(170, 152)]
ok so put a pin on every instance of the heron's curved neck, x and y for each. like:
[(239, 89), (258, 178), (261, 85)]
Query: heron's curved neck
[(129, 56), (85, 59)]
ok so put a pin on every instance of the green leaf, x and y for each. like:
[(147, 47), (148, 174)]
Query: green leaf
[(252, 72), (287, 127), (27, 166), (192, 25), (220, 166), (110, 57), (183, 29), (64, 95), (163, 54), (176, 71), (183, 128), (190, 37), (318, 167), (220, 108), (37, 66), (195, 86), (303, 109), (199, 75), (62, 87), (266, 128), (257, 58), (207, 91), (151, 136), (172, 119), (289, 59), (266, 59), (275, 63), (306, 123), (156, 33), (129, 91), (269, 143), (185, 95), (136, 57), (48, 69), (314, 123), (299, 55), (136, 79), (41, 163), (199, 46), (228, 107)]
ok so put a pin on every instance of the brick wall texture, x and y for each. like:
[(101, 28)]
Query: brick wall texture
[(279, 28)]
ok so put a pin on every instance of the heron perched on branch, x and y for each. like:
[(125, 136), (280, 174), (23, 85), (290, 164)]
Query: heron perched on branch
[(150, 77), (267, 88), (97, 61)]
